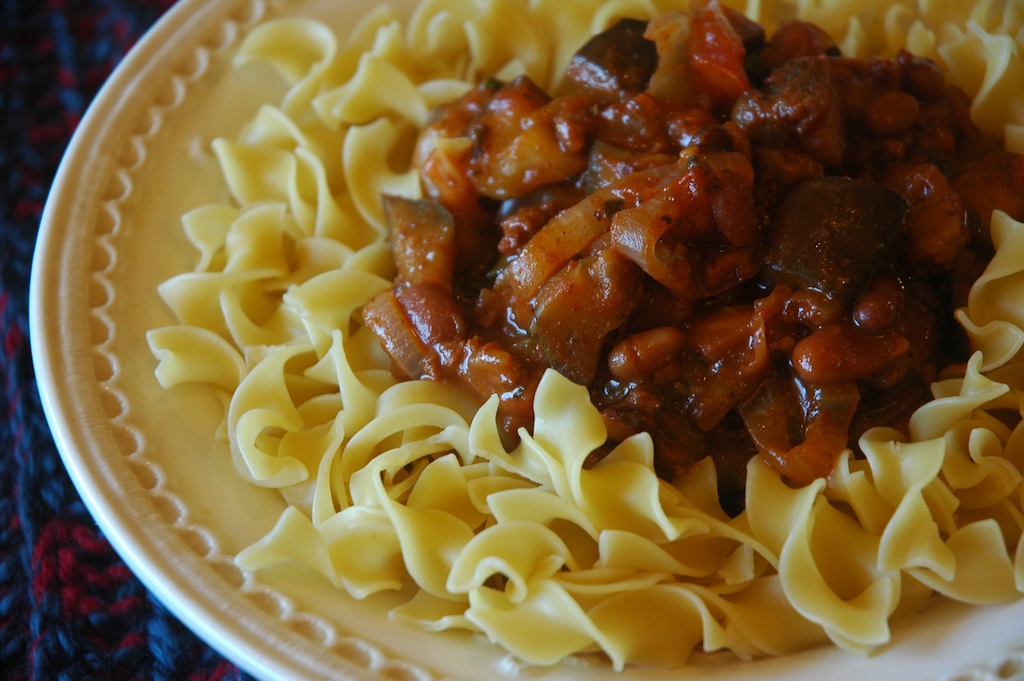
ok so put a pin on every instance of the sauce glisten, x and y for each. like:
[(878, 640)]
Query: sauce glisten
[(741, 244)]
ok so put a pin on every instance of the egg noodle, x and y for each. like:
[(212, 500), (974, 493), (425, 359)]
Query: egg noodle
[(390, 484)]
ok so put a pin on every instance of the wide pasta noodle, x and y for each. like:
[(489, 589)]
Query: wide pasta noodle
[(392, 484)]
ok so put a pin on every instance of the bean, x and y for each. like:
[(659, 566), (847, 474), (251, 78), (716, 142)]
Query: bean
[(837, 354), (936, 232), (892, 113), (638, 355), (925, 80), (812, 308), (878, 308)]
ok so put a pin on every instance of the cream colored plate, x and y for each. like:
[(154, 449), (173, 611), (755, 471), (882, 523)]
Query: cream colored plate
[(145, 460)]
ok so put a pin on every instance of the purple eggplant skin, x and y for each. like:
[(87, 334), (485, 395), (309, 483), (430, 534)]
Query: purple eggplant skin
[(615, 64), (830, 234)]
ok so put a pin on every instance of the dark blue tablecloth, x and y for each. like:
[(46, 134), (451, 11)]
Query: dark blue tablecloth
[(69, 607)]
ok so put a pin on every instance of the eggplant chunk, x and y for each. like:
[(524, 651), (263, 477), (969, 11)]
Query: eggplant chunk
[(422, 241), (796, 98), (579, 306), (830, 233), (615, 64)]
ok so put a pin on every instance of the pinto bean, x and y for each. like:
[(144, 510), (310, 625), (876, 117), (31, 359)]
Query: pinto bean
[(839, 354), (923, 77), (813, 309), (936, 224), (892, 113), (643, 353), (936, 233), (878, 308)]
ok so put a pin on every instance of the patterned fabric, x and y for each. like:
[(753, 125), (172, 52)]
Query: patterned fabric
[(69, 607)]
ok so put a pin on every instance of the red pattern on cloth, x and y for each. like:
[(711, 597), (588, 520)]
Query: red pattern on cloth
[(69, 606)]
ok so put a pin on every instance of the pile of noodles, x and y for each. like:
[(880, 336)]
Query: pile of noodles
[(391, 483)]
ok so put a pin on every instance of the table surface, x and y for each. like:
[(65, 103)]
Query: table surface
[(69, 607)]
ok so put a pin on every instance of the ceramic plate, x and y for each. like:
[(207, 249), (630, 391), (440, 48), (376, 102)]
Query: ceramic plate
[(146, 462)]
